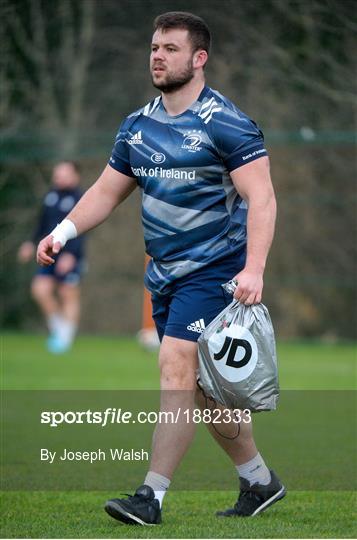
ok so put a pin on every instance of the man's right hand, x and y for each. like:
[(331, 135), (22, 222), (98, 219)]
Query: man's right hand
[(46, 250)]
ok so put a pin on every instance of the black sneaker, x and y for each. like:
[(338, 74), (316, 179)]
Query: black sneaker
[(256, 498), (139, 509)]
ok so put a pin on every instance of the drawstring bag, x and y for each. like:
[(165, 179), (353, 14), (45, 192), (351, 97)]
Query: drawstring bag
[(237, 357)]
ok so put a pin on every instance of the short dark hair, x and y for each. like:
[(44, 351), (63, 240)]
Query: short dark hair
[(198, 30)]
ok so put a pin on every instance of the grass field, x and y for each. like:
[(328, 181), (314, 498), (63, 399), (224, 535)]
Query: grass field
[(110, 364)]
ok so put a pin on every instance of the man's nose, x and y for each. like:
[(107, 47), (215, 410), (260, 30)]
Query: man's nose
[(158, 54)]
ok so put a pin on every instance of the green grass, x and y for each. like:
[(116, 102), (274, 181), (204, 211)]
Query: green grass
[(97, 363), (186, 515), (108, 363)]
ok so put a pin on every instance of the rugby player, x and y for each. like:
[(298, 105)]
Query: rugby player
[(56, 288), (208, 211)]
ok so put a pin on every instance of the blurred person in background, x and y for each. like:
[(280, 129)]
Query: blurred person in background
[(56, 288), (148, 336), (208, 212)]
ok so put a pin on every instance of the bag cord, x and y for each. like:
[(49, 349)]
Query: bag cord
[(209, 398)]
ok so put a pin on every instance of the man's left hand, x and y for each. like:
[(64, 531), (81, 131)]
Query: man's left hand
[(250, 287)]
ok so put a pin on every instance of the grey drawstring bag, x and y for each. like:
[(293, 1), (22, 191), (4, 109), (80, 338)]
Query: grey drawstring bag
[(237, 358)]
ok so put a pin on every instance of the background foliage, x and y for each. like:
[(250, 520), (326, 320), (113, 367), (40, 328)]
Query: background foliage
[(72, 69)]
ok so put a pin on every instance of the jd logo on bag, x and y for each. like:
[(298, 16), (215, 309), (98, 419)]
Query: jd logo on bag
[(237, 358), (235, 353)]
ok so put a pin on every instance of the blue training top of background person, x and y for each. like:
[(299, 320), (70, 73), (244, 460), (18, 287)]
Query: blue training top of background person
[(57, 203)]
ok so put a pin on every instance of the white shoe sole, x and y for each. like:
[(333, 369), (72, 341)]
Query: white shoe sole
[(117, 512), (276, 497)]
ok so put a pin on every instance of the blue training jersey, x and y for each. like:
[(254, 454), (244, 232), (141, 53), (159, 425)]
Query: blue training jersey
[(191, 212), (55, 207)]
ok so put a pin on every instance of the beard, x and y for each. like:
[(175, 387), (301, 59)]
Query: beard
[(175, 81)]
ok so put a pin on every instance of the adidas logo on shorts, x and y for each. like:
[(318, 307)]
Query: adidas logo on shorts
[(197, 326)]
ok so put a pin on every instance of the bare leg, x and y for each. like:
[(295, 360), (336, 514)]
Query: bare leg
[(43, 292), (69, 296), (178, 363), (70, 302), (241, 448)]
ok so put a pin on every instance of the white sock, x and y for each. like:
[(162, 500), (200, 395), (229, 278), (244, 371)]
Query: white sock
[(160, 484), (53, 322), (255, 471), (66, 331)]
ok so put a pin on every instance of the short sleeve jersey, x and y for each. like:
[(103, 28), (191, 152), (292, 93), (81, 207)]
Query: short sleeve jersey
[(56, 205), (191, 212)]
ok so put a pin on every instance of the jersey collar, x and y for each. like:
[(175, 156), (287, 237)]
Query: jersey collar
[(192, 108)]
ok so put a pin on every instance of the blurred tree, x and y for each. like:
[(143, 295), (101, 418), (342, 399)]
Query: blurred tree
[(72, 69), (49, 48)]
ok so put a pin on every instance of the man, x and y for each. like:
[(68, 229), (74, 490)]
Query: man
[(208, 211), (56, 288)]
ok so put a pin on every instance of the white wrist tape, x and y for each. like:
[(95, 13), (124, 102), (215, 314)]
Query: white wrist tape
[(64, 231)]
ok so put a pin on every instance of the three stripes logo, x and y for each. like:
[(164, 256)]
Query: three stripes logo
[(208, 109), (136, 138), (197, 326)]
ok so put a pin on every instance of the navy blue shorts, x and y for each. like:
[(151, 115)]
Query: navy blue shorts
[(195, 300), (72, 278)]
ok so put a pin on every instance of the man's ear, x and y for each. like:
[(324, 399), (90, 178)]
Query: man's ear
[(200, 58)]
